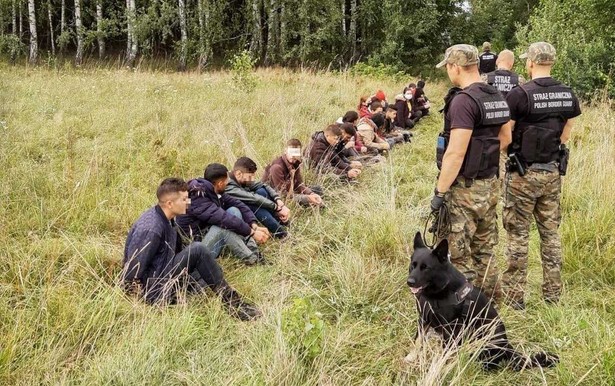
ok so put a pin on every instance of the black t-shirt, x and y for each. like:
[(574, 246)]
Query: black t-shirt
[(487, 62), (463, 113), (518, 103)]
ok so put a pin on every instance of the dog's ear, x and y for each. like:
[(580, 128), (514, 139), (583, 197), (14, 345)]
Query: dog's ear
[(441, 251), (418, 241)]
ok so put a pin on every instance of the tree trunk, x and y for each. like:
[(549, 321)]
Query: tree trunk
[(353, 26), (14, 14), (133, 44), (272, 33), (20, 21), (79, 30), (344, 17), (99, 29), (33, 35), (63, 17), (257, 33), (184, 35), (204, 46), (51, 37), (283, 34)]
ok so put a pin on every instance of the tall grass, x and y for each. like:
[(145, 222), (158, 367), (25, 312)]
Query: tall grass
[(82, 153)]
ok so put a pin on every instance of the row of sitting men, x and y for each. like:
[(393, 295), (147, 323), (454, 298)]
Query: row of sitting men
[(193, 221)]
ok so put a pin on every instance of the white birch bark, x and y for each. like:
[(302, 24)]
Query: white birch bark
[(353, 26), (184, 35), (33, 34), (133, 44), (51, 36), (99, 31), (257, 33), (14, 15), (79, 30)]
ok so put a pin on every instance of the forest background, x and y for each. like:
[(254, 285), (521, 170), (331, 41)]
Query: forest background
[(383, 36)]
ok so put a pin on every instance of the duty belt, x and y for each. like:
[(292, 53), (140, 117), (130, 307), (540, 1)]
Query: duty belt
[(548, 167)]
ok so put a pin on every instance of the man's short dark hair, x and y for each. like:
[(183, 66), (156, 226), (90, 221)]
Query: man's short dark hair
[(214, 172), (348, 128), (293, 143), (350, 116), (391, 107), (375, 104), (412, 85), (378, 119), (171, 185), (334, 129), (420, 84), (245, 165)]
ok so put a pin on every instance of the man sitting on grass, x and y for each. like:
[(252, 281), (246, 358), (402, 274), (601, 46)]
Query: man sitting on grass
[(323, 156), (155, 265), (221, 220), (284, 175), (262, 199)]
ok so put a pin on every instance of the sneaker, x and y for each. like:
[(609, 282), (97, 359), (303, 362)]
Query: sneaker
[(256, 259), (236, 306)]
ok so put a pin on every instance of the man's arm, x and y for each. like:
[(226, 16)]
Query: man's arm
[(567, 129), (453, 158), (505, 135), (140, 250), (249, 197)]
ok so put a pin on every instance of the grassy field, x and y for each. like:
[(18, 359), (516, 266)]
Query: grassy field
[(82, 153)]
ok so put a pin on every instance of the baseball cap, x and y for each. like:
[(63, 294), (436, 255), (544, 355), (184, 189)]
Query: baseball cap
[(460, 54), (540, 53)]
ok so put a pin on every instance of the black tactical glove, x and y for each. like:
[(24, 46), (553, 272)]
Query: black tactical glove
[(437, 201)]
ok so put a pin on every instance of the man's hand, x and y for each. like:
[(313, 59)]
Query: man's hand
[(356, 164), (437, 201), (363, 149), (261, 236), (284, 214), (353, 173), (315, 199)]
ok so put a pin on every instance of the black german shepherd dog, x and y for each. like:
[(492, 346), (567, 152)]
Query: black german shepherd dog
[(455, 309)]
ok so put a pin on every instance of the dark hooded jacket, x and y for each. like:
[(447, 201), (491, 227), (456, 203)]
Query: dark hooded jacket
[(207, 209)]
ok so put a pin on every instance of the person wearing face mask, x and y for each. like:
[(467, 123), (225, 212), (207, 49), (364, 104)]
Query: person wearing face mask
[(406, 116), (261, 198), (284, 175), (219, 220)]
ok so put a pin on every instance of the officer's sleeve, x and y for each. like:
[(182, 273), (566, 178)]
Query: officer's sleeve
[(517, 103), (464, 112), (577, 107)]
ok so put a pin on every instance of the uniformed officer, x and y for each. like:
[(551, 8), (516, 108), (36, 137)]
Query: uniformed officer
[(504, 79), (542, 113), (475, 129), (487, 59)]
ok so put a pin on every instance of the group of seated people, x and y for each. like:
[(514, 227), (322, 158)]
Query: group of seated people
[(174, 245)]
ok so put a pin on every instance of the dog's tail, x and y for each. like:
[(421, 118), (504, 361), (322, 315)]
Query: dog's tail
[(519, 361)]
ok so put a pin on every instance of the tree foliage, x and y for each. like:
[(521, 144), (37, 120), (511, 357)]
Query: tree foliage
[(406, 36)]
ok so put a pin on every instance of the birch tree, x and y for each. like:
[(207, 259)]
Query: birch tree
[(132, 42), (51, 37), (256, 43), (79, 30), (184, 35), (204, 42), (14, 15), (99, 29), (33, 35)]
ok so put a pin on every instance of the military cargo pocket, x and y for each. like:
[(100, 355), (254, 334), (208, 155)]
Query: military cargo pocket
[(457, 240), (508, 212)]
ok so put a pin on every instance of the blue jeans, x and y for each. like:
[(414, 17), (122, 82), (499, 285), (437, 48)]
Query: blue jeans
[(265, 217), (217, 238)]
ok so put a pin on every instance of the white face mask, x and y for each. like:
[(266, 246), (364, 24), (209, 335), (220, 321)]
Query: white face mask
[(408, 96)]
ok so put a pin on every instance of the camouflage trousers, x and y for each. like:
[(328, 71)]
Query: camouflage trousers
[(474, 232), (537, 194)]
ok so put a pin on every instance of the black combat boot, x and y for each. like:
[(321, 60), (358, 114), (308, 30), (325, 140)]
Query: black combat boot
[(235, 305)]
